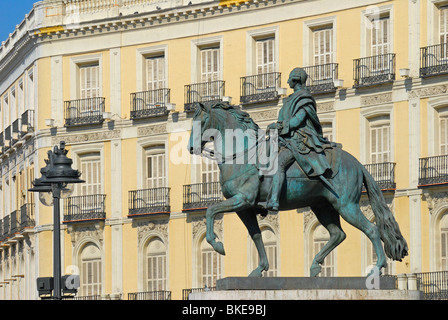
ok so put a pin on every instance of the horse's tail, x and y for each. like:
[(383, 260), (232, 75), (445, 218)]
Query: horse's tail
[(395, 245)]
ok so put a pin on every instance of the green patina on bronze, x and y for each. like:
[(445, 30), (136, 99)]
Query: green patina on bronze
[(305, 178)]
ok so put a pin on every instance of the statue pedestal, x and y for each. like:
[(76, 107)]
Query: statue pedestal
[(305, 288)]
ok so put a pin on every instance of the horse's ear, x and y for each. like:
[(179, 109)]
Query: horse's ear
[(200, 105)]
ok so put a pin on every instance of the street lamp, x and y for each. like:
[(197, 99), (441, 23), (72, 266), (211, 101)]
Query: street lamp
[(55, 183)]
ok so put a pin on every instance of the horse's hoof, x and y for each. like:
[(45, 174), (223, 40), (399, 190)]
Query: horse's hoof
[(256, 274), (315, 270), (219, 247)]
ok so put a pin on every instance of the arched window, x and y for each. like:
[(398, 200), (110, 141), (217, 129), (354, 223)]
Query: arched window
[(91, 270), (155, 265), (443, 231)]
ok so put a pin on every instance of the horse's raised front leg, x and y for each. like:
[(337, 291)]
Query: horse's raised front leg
[(249, 219), (236, 203)]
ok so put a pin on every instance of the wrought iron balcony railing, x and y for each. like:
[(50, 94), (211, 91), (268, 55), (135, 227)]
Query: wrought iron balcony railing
[(27, 219), (434, 60), (150, 295), (8, 138), (433, 170), (374, 70), (14, 223), (260, 87), (321, 78), (434, 285), (6, 227), (186, 292), (149, 103), (383, 174), (212, 91), (82, 208), (149, 201), (201, 195), (84, 111), (16, 131), (27, 122)]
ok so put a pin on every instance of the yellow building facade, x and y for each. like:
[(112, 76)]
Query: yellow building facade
[(116, 81)]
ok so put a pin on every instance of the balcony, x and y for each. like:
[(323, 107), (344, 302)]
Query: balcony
[(148, 104), (383, 174), (8, 138), (200, 196), (150, 295), (374, 70), (433, 170), (434, 60), (321, 78), (149, 202), (211, 92), (27, 216), (260, 88), (84, 112), (27, 123), (85, 208)]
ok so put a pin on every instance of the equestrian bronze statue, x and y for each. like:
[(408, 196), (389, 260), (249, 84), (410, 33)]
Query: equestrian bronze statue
[(310, 172)]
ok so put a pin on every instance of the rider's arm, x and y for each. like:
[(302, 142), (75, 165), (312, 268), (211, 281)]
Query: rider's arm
[(294, 122)]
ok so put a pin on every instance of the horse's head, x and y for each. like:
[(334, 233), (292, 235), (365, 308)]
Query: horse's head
[(201, 122)]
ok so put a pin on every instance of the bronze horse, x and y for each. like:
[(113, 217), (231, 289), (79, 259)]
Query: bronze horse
[(246, 190)]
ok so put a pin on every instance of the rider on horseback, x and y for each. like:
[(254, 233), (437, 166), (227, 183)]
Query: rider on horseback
[(300, 135)]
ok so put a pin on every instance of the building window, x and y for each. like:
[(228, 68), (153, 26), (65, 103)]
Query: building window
[(265, 55), (443, 130), (155, 277), (323, 45), (379, 139), (91, 271), (443, 231), (210, 264), (155, 73), (89, 81), (91, 172), (210, 69), (155, 171), (320, 238), (443, 24)]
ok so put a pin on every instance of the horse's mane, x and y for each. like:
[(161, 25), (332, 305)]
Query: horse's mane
[(241, 116)]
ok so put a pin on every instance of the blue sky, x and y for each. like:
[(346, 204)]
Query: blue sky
[(11, 14)]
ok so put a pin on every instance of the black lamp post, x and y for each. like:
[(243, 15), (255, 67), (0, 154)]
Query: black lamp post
[(57, 179)]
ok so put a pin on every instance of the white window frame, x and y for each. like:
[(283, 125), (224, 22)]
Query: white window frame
[(372, 13), (161, 280), (308, 38), (141, 55), (144, 144), (77, 150), (75, 64), (252, 37), (155, 152), (372, 112), (199, 44)]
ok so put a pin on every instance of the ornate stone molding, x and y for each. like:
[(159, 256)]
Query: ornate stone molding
[(152, 130), (376, 99), (435, 199), (325, 106), (87, 137), (146, 227), (264, 115), (198, 224), (271, 219), (428, 92), (92, 231)]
